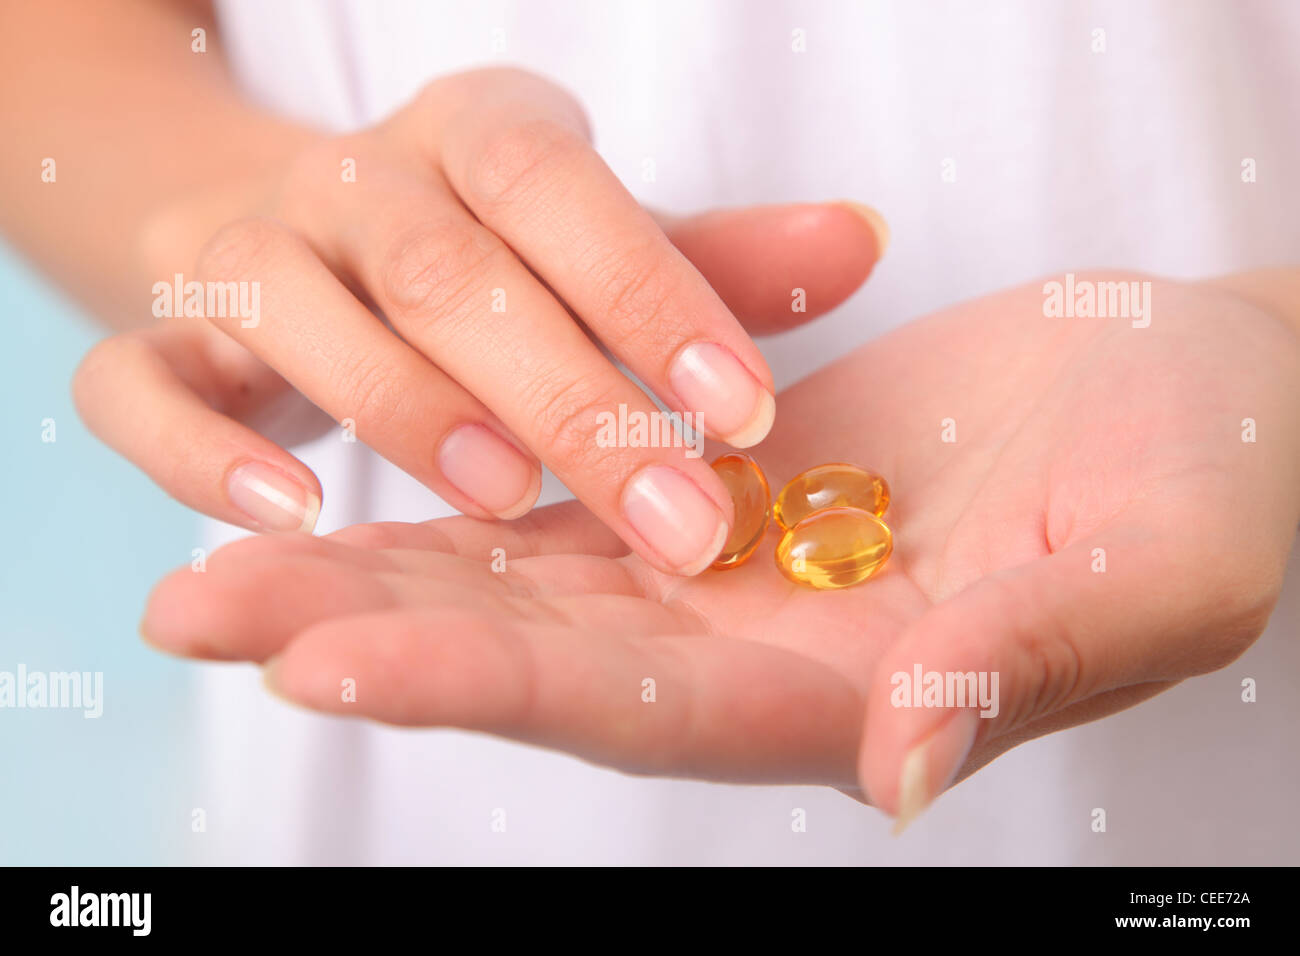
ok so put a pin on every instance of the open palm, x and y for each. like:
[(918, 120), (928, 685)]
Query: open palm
[(1074, 508)]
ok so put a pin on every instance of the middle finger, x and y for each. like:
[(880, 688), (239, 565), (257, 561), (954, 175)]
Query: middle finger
[(457, 293)]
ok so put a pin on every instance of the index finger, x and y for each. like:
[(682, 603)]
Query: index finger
[(525, 168)]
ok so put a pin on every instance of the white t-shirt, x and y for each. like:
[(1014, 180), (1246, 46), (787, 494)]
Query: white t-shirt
[(1002, 142)]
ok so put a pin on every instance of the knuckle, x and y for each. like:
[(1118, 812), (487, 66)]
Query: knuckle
[(519, 158), (242, 248), (1054, 661), (436, 267), (463, 86), (1045, 654), (312, 174), (566, 420), (497, 84), (377, 394), (636, 294)]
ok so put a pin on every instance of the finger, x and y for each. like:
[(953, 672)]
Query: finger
[(147, 395), (564, 528), (1050, 636), (332, 349), (255, 594), (247, 607), (250, 609), (666, 705), (776, 267), (436, 274), (524, 167), (249, 603)]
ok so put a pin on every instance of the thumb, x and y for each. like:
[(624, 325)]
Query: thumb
[(1063, 639), (757, 257)]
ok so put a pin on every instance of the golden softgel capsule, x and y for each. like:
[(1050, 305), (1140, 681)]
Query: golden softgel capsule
[(837, 485), (834, 548), (751, 496)]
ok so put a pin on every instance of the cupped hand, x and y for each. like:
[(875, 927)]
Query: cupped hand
[(1091, 510), (502, 252)]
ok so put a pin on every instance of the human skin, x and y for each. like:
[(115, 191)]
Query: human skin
[(1072, 435), (478, 220)]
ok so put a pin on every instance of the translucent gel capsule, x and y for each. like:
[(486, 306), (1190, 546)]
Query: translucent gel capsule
[(837, 485), (751, 497), (835, 548)]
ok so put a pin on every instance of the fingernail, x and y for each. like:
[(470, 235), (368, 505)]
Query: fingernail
[(490, 471), (678, 520), (875, 220), (732, 403), (929, 766), (272, 499)]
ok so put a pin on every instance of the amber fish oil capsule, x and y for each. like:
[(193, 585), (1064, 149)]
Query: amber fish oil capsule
[(752, 498), (834, 548), (836, 485)]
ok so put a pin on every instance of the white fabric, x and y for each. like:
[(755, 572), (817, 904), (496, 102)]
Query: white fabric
[(1064, 158)]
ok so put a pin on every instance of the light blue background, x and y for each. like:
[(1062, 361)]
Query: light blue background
[(85, 537)]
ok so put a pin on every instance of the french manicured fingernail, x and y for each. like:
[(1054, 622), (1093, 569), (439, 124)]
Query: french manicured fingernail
[(678, 520), (875, 220), (274, 500), (490, 471), (929, 766), (732, 404)]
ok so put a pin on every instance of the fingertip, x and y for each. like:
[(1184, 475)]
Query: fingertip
[(490, 472), (527, 502), (710, 553), (778, 266), (729, 400), (311, 513), (170, 623), (277, 684), (875, 222), (271, 499), (305, 672), (928, 768), (759, 424), (271, 679), (681, 525)]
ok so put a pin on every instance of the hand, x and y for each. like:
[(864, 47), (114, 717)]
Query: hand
[(483, 226), (1076, 440)]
